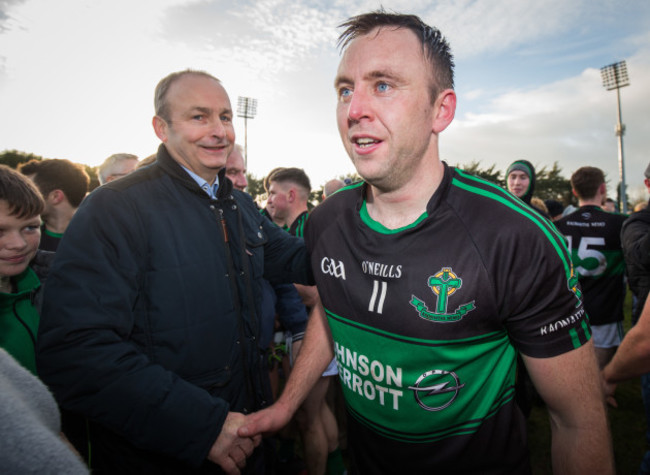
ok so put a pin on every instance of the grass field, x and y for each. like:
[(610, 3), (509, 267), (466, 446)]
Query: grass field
[(627, 424)]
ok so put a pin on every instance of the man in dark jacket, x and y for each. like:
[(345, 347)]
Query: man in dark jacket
[(151, 315), (635, 238)]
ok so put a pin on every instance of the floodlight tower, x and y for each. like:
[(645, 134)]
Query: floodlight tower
[(246, 108), (615, 77)]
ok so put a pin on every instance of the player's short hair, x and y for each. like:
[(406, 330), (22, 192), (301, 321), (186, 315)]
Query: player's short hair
[(161, 106), (435, 47), (296, 176), (585, 181), (267, 178), (59, 174), (22, 197)]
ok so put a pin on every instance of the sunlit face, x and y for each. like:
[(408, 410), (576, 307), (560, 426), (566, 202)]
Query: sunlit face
[(518, 183), (278, 201), (236, 170), (19, 239), (384, 110), (200, 134)]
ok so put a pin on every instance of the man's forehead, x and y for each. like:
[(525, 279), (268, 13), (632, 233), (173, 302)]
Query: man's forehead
[(235, 164), (385, 59), (195, 92)]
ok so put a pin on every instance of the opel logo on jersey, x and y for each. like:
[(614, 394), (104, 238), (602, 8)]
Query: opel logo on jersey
[(443, 284), (439, 388), (333, 268)]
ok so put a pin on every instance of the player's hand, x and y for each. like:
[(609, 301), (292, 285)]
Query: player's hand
[(609, 389), (230, 450), (266, 421)]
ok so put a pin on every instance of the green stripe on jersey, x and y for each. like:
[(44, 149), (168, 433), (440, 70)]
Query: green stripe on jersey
[(505, 198), (420, 390)]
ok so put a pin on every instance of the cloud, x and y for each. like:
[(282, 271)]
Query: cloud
[(570, 121), (474, 27)]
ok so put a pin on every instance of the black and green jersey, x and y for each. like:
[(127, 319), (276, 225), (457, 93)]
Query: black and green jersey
[(427, 321), (297, 228), (594, 239)]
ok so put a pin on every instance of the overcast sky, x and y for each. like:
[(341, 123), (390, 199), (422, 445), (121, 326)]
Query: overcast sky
[(77, 77)]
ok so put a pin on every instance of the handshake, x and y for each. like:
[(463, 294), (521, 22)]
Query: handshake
[(240, 435)]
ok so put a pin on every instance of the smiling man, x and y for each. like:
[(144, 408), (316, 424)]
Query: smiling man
[(151, 322), (424, 275)]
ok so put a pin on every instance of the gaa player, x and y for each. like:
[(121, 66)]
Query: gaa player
[(432, 281), (594, 239)]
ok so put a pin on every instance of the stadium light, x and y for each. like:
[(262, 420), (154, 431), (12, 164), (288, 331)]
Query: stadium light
[(615, 77), (246, 108)]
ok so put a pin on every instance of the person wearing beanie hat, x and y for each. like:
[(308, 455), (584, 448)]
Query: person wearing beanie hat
[(520, 178)]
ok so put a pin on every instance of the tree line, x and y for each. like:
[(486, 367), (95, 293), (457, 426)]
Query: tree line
[(550, 183)]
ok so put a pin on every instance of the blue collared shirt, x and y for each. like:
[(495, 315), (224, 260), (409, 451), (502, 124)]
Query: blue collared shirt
[(205, 186)]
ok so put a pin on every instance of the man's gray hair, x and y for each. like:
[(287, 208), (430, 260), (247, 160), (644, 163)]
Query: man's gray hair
[(108, 168)]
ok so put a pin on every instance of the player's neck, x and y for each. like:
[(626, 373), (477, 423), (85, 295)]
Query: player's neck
[(596, 201), (400, 207), (58, 220)]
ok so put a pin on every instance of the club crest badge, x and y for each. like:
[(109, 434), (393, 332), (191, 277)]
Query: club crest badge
[(443, 284)]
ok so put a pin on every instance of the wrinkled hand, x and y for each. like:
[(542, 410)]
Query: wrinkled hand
[(230, 450), (266, 421)]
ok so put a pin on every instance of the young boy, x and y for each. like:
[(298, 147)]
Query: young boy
[(22, 267)]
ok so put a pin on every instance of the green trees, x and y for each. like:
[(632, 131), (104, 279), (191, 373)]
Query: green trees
[(550, 182)]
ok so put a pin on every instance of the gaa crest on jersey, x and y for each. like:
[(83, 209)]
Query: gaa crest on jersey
[(443, 284)]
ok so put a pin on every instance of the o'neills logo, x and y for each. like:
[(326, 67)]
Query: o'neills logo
[(331, 267), (443, 284)]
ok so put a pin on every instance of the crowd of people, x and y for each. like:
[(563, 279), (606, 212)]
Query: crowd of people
[(164, 323)]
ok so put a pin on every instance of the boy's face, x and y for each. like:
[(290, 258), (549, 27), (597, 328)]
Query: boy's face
[(19, 239)]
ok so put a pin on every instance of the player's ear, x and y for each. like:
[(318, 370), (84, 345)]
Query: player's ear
[(444, 110)]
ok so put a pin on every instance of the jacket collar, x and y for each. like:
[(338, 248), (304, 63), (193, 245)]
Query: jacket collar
[(172, 168)]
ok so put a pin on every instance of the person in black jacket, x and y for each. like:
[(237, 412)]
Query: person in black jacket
[(635, 238), (151, 315)]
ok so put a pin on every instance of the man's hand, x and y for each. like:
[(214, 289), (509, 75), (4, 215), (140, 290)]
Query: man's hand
[(266, 421), (608, 391), (229, 450)]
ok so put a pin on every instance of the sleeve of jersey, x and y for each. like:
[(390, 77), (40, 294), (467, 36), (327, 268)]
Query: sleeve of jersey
[(540, 297)]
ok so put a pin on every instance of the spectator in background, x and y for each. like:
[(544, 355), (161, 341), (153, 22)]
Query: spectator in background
[(116, 166), (332, 186), (520, 180), (146, 161), (594, 239), (555, 209), (610, 206), (63, 185), (236, 168)]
